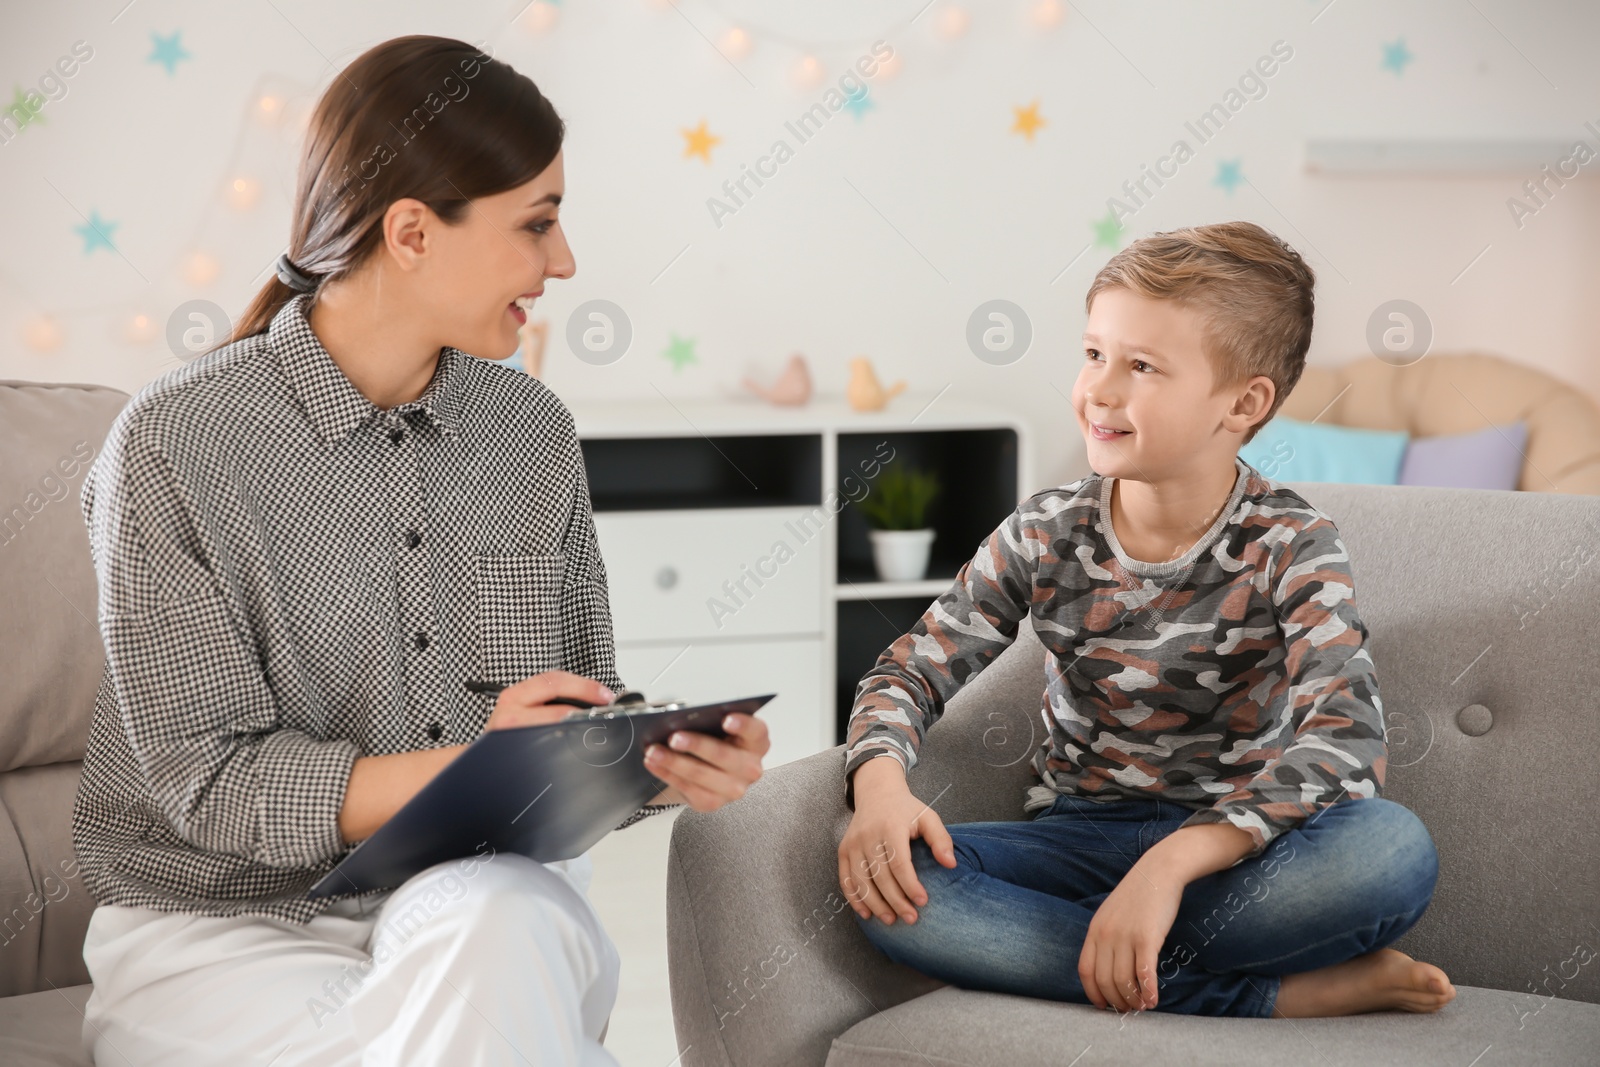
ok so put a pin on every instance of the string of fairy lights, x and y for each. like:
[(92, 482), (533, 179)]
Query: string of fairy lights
[(739, 39), (276, 107), (279, 107)]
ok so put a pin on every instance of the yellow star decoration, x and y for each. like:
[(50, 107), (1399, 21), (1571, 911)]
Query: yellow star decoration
[(699, 141), (1028, 120)]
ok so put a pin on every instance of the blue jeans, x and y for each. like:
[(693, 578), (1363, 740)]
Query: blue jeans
[(1012, 915)]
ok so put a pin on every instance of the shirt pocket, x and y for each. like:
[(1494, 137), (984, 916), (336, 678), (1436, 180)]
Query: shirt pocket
[(519, 615)]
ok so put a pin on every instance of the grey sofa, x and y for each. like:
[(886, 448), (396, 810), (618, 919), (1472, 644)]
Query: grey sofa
[(50, 665), (1484, 610)]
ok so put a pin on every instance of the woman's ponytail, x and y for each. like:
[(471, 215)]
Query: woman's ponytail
[(263, 308), (429, 118)]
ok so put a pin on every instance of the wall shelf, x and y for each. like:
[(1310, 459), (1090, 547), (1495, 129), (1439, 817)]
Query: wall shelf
[(1463, 157)]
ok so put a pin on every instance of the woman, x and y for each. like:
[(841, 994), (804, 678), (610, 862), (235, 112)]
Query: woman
[(306, 541)]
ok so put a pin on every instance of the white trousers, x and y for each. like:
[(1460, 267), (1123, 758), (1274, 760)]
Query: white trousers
[(487, 960)]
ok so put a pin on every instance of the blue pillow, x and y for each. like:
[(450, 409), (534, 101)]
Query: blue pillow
[(1490, 458), (1288, 450)]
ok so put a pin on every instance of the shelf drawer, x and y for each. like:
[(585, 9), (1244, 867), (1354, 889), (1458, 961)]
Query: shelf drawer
[(713, 573), (797, 719)]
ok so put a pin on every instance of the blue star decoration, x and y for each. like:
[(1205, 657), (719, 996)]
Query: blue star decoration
[(680, 353), (1396, 56), (857, 103), (1228, 175), (96, 233), (167, 51)]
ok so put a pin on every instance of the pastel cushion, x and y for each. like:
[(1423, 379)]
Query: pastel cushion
[(1490, 458), (1289, 450)]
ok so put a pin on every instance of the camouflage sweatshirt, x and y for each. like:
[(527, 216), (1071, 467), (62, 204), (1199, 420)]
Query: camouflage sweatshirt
[(1248, 695)]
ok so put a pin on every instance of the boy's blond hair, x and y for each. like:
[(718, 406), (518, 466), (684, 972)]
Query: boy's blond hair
[(1253, 293)]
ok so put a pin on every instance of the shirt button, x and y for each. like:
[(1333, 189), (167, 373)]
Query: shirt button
[(422, 642), (434, 733), (397, 435), (413, 539)]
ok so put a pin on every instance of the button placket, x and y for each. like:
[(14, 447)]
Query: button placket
[(427, 703)]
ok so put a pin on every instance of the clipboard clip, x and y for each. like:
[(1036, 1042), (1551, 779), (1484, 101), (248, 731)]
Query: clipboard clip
[(625, 706), (631, 702)]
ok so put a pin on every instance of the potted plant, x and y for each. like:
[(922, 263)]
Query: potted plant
[(897, 510)]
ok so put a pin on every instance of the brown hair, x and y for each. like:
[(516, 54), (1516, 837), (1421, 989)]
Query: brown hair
[(431, 118), (1253, 292)]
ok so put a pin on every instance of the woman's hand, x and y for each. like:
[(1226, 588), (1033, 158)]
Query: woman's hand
[(380, 785), (706, 772), (527, 702), (875, 868), (1120, 953)]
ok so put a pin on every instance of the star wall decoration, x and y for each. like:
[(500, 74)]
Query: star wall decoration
[(24, 113), (1228, 175), (680, 353), (1396, 56), (699, 141), (1028, 120), (858, 103), (1108, 231), (168, 51), (96, 233)]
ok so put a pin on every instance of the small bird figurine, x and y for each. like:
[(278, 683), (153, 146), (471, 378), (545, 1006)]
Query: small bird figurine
[(792, 388), (864, 392)]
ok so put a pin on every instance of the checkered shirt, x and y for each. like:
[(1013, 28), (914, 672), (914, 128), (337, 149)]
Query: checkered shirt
[(291, 577)]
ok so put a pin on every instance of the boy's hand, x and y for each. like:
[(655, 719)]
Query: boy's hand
[(875, 869), (1120, 953), (1120, 958)]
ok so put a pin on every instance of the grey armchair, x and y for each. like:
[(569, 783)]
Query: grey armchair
[(1483, 609)]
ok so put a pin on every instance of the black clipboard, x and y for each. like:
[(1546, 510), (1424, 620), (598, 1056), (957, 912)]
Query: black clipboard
[(548, 792)]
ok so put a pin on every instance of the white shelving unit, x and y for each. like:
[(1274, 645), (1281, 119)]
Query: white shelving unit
[(722, 524), (928, 587)]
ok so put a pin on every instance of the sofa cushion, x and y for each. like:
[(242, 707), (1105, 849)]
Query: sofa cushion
[(1490, 458), (1287, 449), (50, 653), (44, 1029), (959, 1026), (44, 904), (1450, 393)]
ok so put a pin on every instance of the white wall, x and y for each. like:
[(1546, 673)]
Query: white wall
[(948, 207)]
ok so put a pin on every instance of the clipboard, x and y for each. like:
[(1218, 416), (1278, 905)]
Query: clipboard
[(548, 792)]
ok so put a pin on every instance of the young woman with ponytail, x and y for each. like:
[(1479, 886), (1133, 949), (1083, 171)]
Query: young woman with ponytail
[(306, 541)]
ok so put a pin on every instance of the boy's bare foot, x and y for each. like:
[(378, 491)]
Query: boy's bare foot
[(1385, 980)]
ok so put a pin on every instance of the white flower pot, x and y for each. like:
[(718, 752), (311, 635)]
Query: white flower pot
[(901, 555)]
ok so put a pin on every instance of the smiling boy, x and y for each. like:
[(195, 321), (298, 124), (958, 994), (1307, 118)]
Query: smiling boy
[(1215, 747)]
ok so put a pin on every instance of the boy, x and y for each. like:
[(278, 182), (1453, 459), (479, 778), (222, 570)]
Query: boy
[(1216, 748)]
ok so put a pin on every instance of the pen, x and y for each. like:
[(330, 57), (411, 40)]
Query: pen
[(494, 689)]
